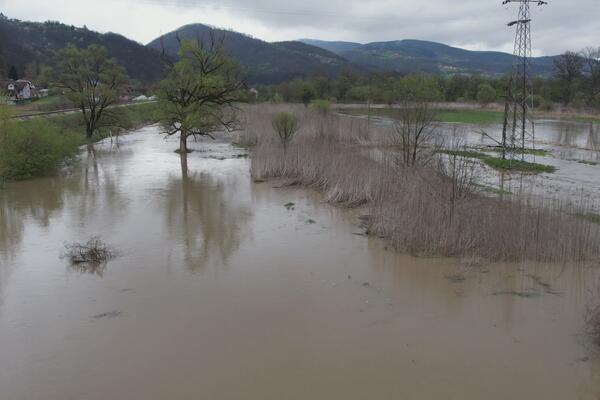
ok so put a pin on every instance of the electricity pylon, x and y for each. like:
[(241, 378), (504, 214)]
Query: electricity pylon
[(519, 126)]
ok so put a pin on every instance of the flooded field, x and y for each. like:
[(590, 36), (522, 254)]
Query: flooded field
[(220, 291), (572, 147)]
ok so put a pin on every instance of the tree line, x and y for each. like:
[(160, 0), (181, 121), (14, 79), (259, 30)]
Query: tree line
[(197, 96), (575, 82)]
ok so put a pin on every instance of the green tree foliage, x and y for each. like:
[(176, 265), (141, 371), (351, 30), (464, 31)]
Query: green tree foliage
[(35, 150), (285, 125), (307, 95), (321, 106), (486, 94), (419, 88), (91, 81), (199, 93)]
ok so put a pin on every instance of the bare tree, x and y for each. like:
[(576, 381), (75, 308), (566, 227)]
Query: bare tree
[(569, 68), (459, 170), (414, 132), (591, 57)]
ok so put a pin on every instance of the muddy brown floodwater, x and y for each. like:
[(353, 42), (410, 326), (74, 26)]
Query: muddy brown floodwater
[(221, 292)]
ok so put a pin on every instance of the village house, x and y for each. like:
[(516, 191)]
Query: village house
[(18, 90)]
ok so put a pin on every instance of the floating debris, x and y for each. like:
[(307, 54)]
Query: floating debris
[(456, 278), (94, 251), (546, 286), (527, 294), (110, 314)]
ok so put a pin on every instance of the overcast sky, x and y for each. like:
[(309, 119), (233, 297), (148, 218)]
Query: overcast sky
[(473, 24)]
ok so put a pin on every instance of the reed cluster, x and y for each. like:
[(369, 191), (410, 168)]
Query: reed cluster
[(431, 208)]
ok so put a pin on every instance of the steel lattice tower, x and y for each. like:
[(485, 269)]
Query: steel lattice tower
[(519, 126)]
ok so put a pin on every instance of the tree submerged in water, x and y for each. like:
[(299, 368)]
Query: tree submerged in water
[(198, 97)]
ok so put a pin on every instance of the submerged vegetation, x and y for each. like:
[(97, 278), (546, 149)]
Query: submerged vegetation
[(423, 208), (92, 252)]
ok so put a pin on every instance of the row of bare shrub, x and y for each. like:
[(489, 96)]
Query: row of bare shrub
[(426, 209)]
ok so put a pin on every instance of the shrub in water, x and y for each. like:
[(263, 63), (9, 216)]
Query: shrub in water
[(35, 150)]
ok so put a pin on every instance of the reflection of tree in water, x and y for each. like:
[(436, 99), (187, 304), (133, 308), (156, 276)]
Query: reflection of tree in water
[(566, 135), (101, 171), (593, 141), (204, 217), (39, 200)]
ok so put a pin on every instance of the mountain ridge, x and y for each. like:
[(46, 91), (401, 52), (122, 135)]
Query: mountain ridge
[(23, 43), (265, 62), (411, 55)]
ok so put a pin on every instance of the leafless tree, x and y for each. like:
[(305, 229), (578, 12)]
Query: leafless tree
[(591, 57), (569, 68), (414, 133)]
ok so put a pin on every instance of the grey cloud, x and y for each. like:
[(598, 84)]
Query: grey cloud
[(562, 25)]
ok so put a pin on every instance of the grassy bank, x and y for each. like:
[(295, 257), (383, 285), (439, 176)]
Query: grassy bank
[(471, 116), (430, 209), (40, 146), (504, 165)]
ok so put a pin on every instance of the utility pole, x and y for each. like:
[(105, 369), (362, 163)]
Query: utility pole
[(519, 126)]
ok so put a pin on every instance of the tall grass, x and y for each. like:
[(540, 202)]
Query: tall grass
[(419, 210)]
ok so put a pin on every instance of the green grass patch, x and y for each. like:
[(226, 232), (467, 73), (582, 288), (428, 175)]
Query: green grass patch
[(592, 217), (517, 165), (475, 117), (501, 164), (528, 151)]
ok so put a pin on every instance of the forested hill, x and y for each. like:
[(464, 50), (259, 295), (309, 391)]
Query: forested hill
[(406, 56), (22, 43), (264, 62)]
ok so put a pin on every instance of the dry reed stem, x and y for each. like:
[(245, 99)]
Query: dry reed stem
[(416, 209)]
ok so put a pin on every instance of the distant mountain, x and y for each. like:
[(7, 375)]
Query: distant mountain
[(22, 43), (265, 62), (406, 56), (335, 47)]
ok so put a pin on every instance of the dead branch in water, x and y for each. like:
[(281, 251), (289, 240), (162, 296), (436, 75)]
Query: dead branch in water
[(93, 252)]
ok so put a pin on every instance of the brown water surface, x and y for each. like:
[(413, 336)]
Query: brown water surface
[(221, 292)]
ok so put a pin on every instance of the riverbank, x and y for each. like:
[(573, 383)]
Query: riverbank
[(40, 146), (433, 208), (467, 113)]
